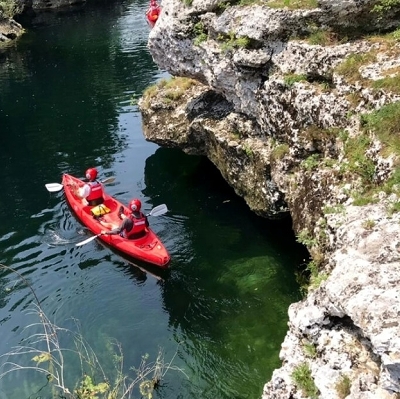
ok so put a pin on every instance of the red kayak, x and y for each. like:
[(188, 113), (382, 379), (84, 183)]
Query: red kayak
[(153, 12), (147, 248)]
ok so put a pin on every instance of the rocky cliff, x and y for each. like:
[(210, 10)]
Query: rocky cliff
[(296, 103), (10, 29)]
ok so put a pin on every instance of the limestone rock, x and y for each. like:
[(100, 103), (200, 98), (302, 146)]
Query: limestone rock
[(275, 113)]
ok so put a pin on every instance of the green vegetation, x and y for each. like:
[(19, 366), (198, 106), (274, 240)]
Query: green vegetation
[(294, 4), (368, 224), (396, 35), (231, 41), (279, 151), (248, 151), (171, 90), (323, 37), (364, 198), (384, 6), (310, 349), (385, 123), (291, 79), (316, 278), (235, 135), (350, 67), (303, 380), (305, 238), (221, 7), (343, 387), (358, 162), (394, 208), (9, 8), (333, 209), (200, 33), (316, 133), (311, 162)]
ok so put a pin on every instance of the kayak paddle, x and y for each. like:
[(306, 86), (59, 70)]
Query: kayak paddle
[(54, 187), (87, 240), (156, 211)]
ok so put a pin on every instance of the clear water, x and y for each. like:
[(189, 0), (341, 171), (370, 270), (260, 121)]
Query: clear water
[(65, 104)]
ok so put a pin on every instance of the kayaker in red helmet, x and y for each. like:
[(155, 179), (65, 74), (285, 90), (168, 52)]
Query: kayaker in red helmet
[(153, 11), (92, 191), (133, 224)]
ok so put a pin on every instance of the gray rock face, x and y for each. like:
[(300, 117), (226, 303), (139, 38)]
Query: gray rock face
[(276, 114)]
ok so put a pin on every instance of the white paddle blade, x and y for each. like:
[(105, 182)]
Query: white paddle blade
[(158, 210), (54, 187), (87, 240), (108, 180)]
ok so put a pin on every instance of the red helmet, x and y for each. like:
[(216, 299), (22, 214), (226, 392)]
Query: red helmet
[(135, 205), (91, 173)]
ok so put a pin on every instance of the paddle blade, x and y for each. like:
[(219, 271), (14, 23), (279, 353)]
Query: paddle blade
[(108, 180), (54, 187), (87, 240), (158, 210)]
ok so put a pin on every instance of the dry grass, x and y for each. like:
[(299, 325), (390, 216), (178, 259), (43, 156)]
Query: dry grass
[(293, 4)]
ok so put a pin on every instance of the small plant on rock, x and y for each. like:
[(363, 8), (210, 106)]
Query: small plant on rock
[(343, 386), (368, 224), (279, 151), (304, 237), (304, 381), (309, 349), (291, 79), (200, 33)]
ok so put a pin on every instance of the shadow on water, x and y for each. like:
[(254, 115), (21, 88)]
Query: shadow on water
[(133, 268), (231, 265)]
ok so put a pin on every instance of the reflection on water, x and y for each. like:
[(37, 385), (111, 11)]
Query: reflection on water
[(65, 104)]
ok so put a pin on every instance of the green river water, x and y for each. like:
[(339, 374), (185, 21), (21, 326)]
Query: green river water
[(65, 104)]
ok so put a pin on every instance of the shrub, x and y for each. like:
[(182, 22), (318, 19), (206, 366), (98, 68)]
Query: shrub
[(200, 33), (303, 379), (231, 41), (311, 162), (9, 8), (382, 7), (305, 238)]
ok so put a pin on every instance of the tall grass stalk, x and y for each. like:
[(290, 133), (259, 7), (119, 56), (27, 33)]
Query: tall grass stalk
[(54, 361)]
